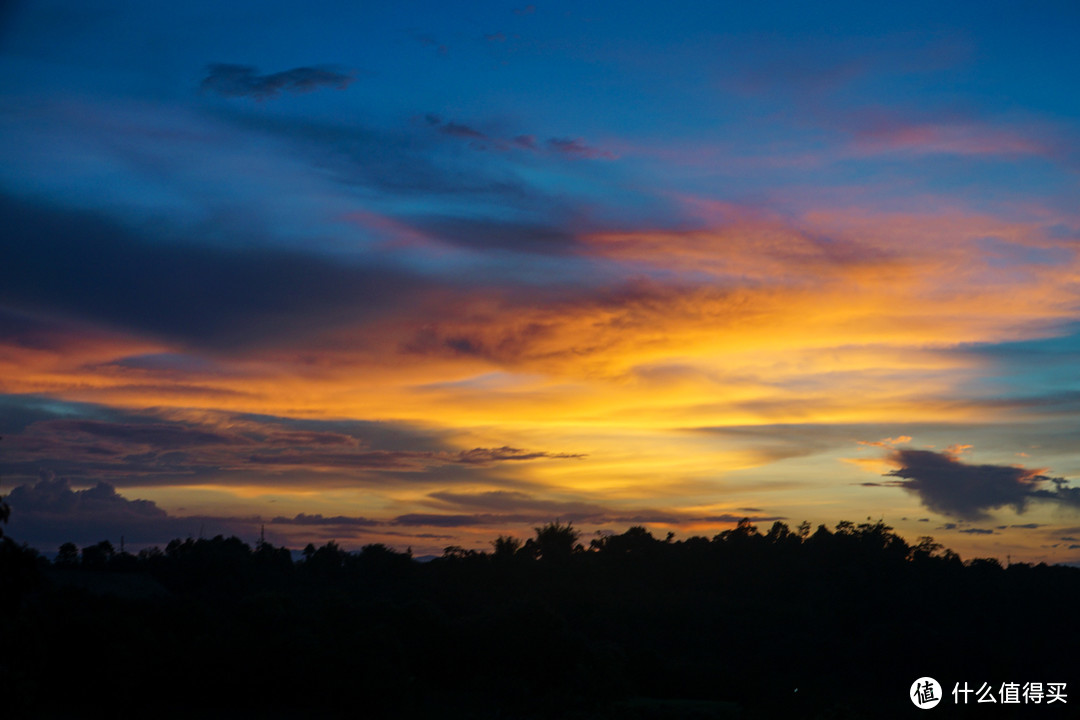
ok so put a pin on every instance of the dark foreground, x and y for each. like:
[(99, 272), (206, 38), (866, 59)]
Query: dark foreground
[(834, 624)]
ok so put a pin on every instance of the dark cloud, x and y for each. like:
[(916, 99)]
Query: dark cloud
[(449, 521), (18, 412), (977, 531), (37, 333), (576, 148), (395, 162), (54, 495), (384, 435), (951, 487), (431, 41), (516, 236), (566, 147), (49, 512), (163, 436), (520, 502), (126, 448), (454, 129), (512, 345), (318, 519), (399, 460), (462, 131), (525, 142), (80, 265), (729, 518), (373, 460), (483, 456), (244, 81)]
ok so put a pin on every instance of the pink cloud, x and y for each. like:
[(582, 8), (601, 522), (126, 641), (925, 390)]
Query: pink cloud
[(963, 138), (395, 233)]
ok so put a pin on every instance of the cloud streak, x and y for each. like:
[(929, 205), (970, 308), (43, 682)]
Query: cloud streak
[(566, 147), (144, 448), (245, 81), (148, 284)]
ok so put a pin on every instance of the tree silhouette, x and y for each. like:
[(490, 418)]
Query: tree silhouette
[(637, 540), (506, 546), (97, 557), (556, 542), (68, 555)]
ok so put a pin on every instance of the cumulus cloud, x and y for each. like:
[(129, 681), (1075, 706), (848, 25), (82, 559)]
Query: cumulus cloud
[(245, 81), (54, 495), (947, 485), (49, 512)]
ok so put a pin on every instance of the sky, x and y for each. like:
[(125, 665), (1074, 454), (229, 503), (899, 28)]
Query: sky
[(424, 273)]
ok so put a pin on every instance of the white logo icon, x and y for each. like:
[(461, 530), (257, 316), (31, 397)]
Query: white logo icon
[(925, 693)]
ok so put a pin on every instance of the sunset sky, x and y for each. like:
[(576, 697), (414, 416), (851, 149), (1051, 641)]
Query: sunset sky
[(421, 273)]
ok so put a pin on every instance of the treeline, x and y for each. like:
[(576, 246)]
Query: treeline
[(831, 623)]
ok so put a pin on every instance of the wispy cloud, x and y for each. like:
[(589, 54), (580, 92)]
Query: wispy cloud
[(146, 448), (958, 138), (429, 40), (245, 81), (566, 147), (576, 148)]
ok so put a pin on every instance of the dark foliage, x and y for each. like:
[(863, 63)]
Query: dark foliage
[(782, 623)]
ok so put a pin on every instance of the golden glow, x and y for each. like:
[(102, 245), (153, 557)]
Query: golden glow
[(850, 319)]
